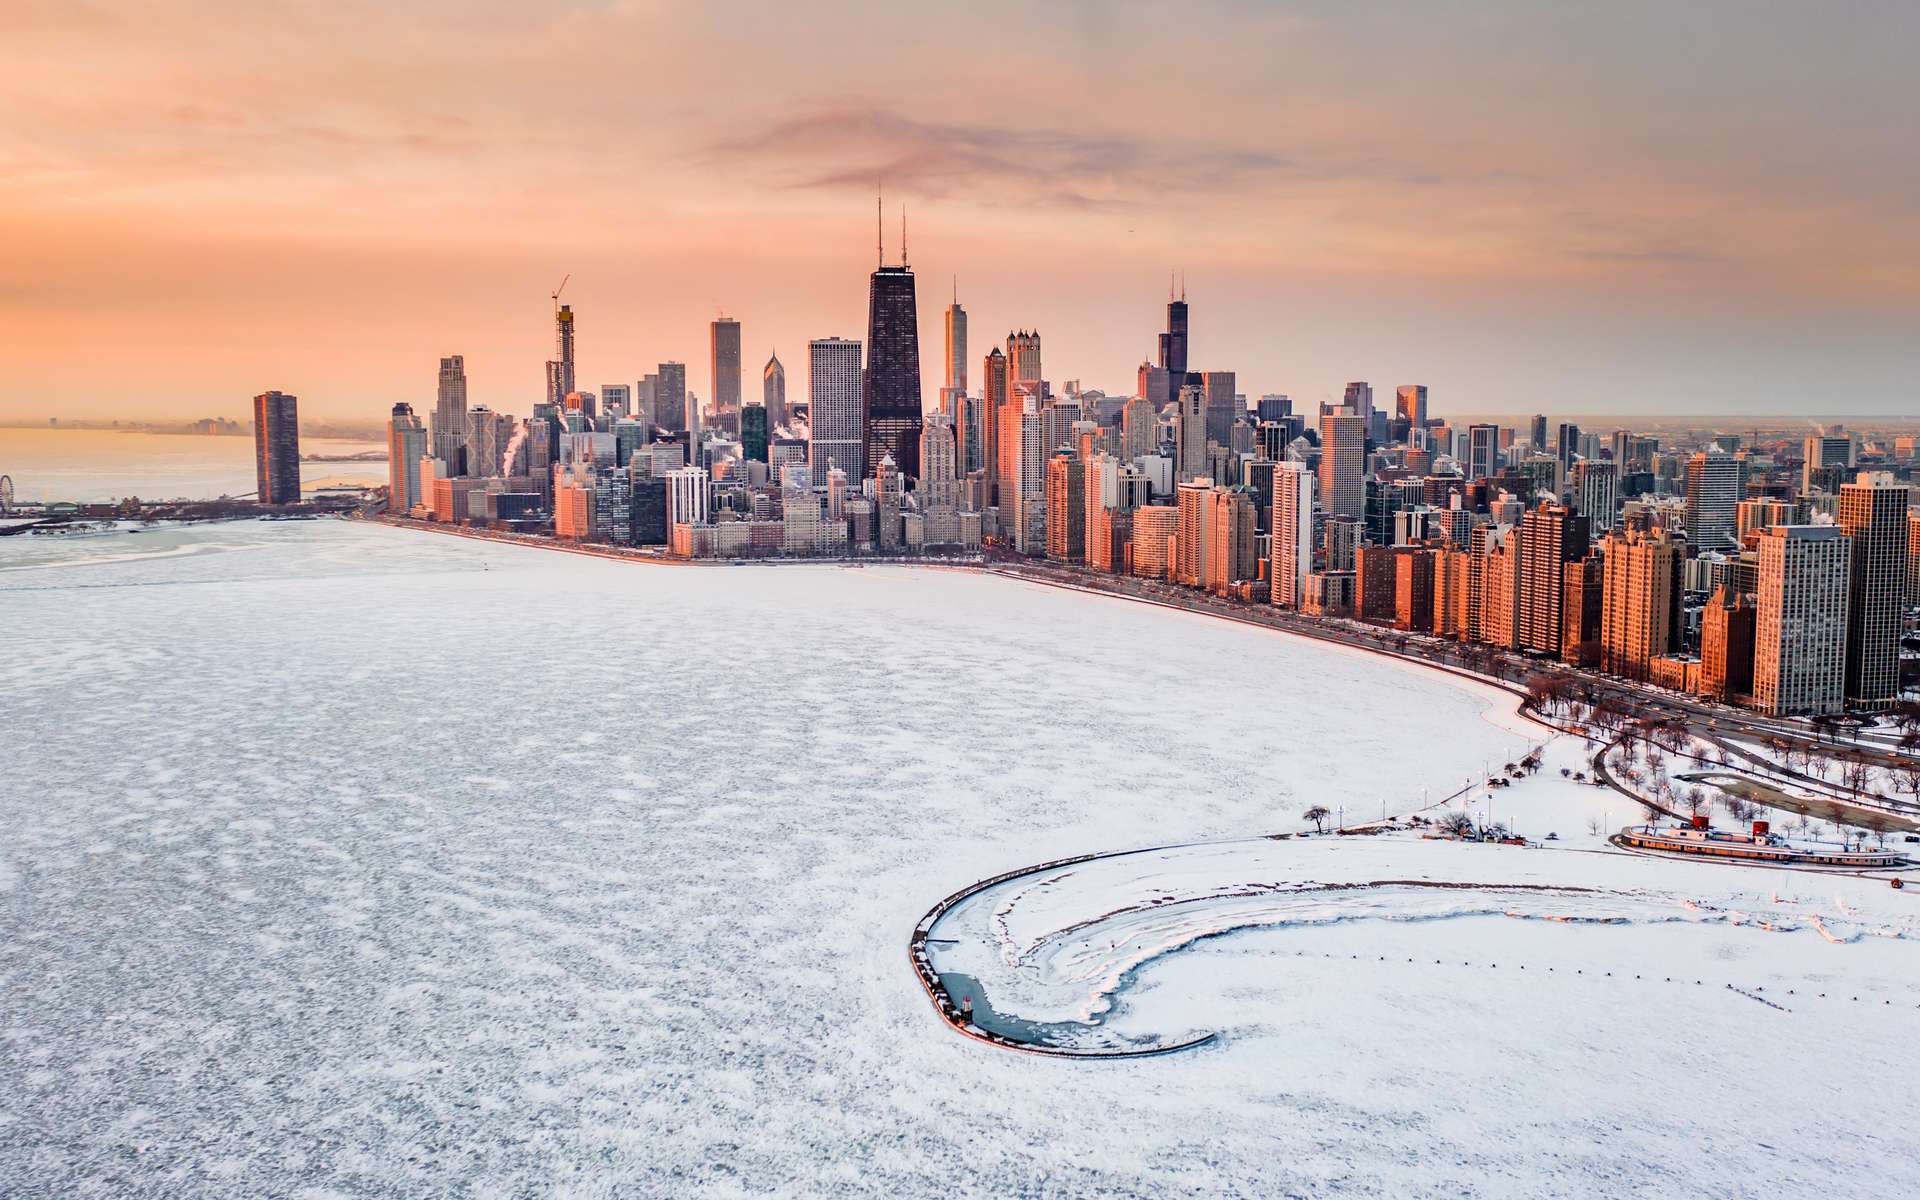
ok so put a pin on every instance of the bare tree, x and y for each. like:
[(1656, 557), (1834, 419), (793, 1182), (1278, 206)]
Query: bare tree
[(1318, 814)]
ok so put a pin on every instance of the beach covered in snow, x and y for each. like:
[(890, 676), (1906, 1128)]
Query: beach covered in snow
[(347, 860)]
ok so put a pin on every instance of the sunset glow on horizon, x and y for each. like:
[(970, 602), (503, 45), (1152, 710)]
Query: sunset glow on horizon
[(1623, 209)]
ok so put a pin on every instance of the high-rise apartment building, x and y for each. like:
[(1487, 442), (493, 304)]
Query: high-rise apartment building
[(1824, 455), (1640, 580), (1499, 593), (1292, 532), (1413, 587), (1155, 538), (276, 447), (723, 338), (1343, 465), (1228, 554), (1713, 493), (1873, 513), (1551, 536), (1760, 512), (1191, 497), (1139, 428), (1726, 646), (1913, 559), (1800, 620), (892, 396), (1585, 591), (1537, 431), (938, 461), (1594, 490), (1066, 507), (406, 445), (833, 400)]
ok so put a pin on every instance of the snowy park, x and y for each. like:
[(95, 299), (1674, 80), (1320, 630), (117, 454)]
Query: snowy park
[(344, 860)]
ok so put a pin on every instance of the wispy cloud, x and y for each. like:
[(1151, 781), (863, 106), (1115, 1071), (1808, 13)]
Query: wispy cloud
[(851, 148)]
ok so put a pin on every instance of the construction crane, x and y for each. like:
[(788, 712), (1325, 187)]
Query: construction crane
[(558, 290)]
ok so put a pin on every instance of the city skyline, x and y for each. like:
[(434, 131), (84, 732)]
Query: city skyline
[(311, 220)]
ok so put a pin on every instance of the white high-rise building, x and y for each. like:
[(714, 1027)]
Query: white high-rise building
[(833, 395), (1800, 622), (937, 460), (1595, 486), (1292, 529), (1343, 464), (687, 496)]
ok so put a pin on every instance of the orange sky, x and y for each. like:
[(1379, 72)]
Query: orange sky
[(1523, 207)]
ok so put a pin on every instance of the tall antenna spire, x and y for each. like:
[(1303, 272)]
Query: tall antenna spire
[(1183, 287), (956, 289), (903, 233), (879, 229), (1169, 287)]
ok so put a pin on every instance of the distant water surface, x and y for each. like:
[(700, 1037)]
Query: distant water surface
[(97, 464)]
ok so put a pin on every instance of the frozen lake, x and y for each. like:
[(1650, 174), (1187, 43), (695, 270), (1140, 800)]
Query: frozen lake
[(344, 860)]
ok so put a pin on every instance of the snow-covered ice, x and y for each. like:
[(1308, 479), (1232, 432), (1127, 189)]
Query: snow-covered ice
[(344, 860)]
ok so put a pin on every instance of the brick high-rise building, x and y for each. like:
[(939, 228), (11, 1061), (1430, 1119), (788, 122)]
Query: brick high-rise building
[(1413, 587), (1639, 580), (1585, 597), (1499, 599), (1451, 569), (1066, 507), (1374, 583), (1228, 553), (1726, 646), (1551, 536)]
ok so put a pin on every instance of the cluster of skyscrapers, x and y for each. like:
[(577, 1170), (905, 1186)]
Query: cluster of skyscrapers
[(1773, 574)]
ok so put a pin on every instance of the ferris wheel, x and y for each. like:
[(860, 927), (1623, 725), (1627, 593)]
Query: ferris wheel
[(6, 493)]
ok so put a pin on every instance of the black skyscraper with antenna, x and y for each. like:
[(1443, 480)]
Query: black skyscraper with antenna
[(892, 378)]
